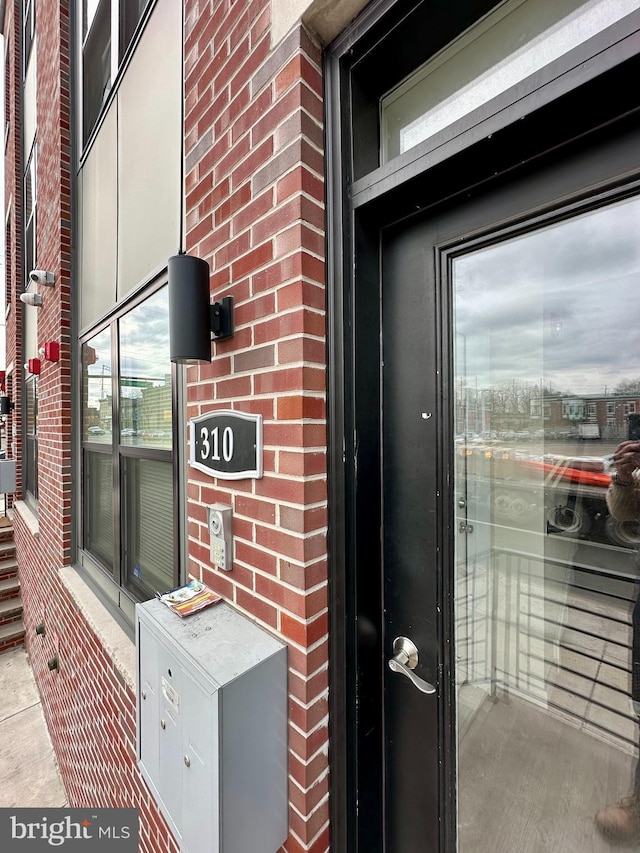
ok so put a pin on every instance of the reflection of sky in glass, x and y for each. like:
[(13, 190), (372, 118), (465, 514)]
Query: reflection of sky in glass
[(97, 357), (558, 304), (144, 343), (91, 7)]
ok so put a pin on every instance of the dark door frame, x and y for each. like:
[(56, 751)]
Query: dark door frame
[(569, 101)]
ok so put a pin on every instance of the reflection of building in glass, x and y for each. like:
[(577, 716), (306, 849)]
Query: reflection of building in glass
[(146, 409), (505, 406), (519, 407), (154, 414), (610, 416)]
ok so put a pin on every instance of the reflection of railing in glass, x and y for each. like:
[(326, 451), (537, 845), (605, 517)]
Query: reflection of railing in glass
[(560, 635)]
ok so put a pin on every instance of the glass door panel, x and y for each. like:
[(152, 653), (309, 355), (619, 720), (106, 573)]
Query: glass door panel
[(547, 386)]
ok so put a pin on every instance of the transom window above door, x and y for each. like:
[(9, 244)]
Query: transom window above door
[(515, 40)]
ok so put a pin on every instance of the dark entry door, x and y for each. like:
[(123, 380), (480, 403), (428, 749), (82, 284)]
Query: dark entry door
[(509, 374)]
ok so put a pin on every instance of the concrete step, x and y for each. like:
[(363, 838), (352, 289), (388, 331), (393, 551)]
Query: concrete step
[(9, 588), (11, 636), (8, 584), (6, 528), (7, 549), (10, 609), (8, 568)]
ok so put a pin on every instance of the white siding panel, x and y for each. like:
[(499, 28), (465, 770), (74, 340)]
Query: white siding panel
[(99, 224), (150, 149)]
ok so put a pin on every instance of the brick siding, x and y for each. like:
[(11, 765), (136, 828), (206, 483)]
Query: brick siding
[(255, 212)]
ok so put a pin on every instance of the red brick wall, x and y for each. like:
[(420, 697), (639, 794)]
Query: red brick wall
[(54, 254), (89, 708), (255, 212)]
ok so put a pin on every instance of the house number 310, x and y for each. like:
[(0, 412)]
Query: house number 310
[(210, 440)]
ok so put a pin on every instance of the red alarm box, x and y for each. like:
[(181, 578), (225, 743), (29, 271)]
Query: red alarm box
[(33, 366), (52, 351)]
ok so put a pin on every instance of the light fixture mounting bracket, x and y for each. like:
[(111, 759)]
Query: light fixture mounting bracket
[(221, 314)]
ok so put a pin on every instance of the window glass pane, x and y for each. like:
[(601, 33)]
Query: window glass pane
[(31, 422), (546, 579), (145, 375), (29, 249), (96, 66), (30, 186), (97, 395), (148, 520), (130, 13), (98, 507), (505, 47), (28, 18), (32, 406), (30, 193), (7, 92), (89, 9), (8, 284)]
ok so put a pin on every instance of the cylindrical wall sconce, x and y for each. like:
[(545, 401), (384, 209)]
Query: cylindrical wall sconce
[(189, 327), (193, 320)]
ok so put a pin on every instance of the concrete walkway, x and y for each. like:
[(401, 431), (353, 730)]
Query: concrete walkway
[(28, 771)]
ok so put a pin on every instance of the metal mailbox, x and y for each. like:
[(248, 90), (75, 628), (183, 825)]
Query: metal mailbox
[(212, 727), (7, 476)]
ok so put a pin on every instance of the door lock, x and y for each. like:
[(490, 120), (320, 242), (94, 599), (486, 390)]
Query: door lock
[(465, 528), (405, 658)]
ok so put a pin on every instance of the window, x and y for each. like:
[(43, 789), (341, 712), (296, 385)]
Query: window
[(7, 95), (8, 269), (31, 424), (505, 47), (130, 15), (30, 198), (96, 60), (105, 40), (128, 461), (29, 29)]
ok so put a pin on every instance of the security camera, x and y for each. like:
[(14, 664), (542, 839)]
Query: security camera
[(42, 277), (31, 298)]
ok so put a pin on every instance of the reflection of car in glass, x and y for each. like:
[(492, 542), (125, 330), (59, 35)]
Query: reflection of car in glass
[(128, 432), (153, 433), (551, 493), (95, 430)]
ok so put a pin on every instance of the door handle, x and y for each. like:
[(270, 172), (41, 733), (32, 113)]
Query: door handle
[(405, 659)]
